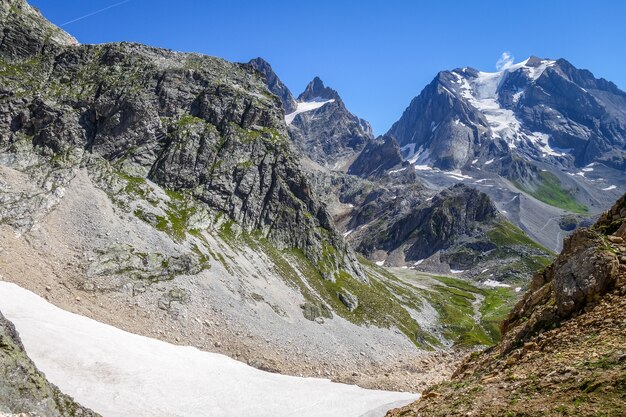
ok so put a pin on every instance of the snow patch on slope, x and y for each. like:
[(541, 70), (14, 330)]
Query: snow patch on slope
[(305, 106), (117, 373)]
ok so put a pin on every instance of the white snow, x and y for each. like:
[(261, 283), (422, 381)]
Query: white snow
[(423, 168), (419, 262), (609, 188), (482, 93), (121, 374), (518, 289), (394, 171), (457, 271), (305, 106), (346, 234), (421, 157), (494, 284), (380, 263), (489, 162), (587, 169), (458, 175)]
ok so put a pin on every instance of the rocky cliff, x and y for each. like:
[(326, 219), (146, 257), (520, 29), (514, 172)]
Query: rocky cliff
[(24, 390), (275, 85), (324, 130), (542, 138), (562, 351), (159, 192), (192, 124)]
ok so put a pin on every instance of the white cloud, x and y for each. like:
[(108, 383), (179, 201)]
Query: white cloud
[(505, 61)]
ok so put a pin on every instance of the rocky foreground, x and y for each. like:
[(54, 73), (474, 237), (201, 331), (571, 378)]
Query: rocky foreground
[(564, 345)]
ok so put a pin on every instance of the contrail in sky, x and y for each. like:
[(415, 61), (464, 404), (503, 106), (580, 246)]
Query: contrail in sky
[(94, 13)]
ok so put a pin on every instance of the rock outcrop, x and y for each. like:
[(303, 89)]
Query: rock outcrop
[(377, 158), (24, 390), (562, 351)]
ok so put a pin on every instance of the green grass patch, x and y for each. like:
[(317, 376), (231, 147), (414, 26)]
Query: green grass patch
[(551, 191), (495, 308), (507, 234)]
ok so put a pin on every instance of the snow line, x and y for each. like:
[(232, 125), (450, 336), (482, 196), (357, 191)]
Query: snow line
[(117, 373)]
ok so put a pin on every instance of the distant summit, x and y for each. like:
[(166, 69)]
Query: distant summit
[(317, 90)]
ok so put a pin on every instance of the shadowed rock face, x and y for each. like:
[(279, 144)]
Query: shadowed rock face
[(190, 123), (329, 135), (377, 158), (433, 225), (24, 389)]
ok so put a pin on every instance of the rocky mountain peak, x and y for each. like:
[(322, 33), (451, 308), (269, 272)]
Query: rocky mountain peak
[(377, 157), (26, 32), (316, 90), (274, 84)]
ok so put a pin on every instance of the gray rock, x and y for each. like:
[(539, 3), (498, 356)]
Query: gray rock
[(274, 84), (349, 300), (193, 124)]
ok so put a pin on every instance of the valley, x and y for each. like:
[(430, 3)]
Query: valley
[(181, 205)]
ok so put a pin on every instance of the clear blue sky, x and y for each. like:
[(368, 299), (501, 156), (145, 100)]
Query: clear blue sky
[(377, 54)]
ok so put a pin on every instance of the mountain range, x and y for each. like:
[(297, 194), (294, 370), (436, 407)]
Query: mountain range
[(200, 202)]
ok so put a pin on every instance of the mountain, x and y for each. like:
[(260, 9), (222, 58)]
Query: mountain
[(275, 85), (375, 202), (319, 123), (324, 130), (562, 351), (159, 192), (543, 139), (24, 390), (538, 109)]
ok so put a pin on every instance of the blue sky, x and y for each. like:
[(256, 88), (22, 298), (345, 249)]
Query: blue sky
[(377, 54)]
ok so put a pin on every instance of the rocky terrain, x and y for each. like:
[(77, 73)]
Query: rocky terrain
[(24, 391), (563, 348), (159, 192), (324, 130), (372, 198)]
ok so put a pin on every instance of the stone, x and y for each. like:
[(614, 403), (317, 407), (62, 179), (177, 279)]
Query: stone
[(349, 300)]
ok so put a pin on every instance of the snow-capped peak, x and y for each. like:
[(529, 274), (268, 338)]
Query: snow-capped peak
[(481, 91)]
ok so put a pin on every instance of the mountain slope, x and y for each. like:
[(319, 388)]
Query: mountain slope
[(537, 109), (562, 351), (159, 192), (122, 374), (275, 85)]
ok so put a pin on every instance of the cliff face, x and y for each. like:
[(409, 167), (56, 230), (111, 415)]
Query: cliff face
[(23, 389), (193, 124), (562, 351), (327, 133)]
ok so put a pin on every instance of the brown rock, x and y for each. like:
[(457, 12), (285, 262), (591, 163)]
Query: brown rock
[(431, 394)]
